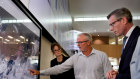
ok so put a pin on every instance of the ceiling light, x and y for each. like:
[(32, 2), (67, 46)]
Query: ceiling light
[(113, 43), (26, 39), (63, 20), (99, 18), (119, 39), (10, 37), (1, 37), (32, 43), (136, 17), (22, 37), (91, 19), (16, 21), (17, 40), (7, 40)]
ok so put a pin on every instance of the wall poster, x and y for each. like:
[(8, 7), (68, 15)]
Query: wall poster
[(19, 43)]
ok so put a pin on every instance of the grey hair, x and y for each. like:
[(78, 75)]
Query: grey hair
[(121, 12), (88, 37)]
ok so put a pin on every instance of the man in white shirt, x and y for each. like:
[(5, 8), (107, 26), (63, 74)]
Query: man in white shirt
[(87, 64)]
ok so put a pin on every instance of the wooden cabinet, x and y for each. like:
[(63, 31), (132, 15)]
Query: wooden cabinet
[(110, 50)]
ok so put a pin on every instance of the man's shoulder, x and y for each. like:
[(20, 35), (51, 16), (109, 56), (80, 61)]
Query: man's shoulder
[(138, 42), (99, 51), (138, 29), (76, 55), (138, 32)]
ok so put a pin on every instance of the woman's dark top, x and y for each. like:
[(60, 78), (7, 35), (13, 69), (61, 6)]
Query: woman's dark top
[(66, 75)]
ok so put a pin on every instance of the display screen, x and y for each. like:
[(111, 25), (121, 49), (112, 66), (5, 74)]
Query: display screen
[(55, 17), (19, 43)]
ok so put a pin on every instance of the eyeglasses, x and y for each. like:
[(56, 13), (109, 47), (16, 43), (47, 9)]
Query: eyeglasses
[(80, 42), (113, 23), (56, 50)]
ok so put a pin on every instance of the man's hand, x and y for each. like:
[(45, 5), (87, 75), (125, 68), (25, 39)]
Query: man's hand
[(34, 72), (111, 74)]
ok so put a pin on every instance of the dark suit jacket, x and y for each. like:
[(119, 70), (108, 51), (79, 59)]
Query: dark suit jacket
[(124, 67), (66, 75)]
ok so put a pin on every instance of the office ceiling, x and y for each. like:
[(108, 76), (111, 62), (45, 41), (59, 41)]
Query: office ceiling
[(99, 8)]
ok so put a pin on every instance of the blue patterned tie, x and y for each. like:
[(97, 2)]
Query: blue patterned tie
[(124, 40)]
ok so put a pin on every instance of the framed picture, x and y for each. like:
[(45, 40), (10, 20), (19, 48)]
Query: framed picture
[(20, 42)]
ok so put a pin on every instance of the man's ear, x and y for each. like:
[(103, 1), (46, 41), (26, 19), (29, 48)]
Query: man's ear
[(88, 42), (124, 20)]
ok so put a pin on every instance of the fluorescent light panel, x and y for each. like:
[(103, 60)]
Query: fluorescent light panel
[(16, 21), (91, 19), (100, 19)]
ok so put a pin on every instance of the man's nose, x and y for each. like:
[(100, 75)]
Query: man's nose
[(111, 28), (78, 44)]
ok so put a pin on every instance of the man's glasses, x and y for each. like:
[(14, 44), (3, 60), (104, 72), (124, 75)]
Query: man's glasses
[(56, 50), (113, 23), (80, 42)]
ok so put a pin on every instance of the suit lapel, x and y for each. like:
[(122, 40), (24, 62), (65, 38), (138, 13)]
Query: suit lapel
[(130, 40), (133, 36)]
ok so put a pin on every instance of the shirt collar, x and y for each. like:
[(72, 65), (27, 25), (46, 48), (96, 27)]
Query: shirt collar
[(92, 52), (130, 31)]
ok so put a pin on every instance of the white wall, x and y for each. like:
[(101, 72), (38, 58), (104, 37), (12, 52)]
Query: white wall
[(46, 55)]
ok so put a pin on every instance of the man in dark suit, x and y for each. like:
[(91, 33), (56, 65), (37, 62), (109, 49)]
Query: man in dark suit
[(120, 21)]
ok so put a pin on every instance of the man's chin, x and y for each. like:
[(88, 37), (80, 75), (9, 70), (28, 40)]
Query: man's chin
[(116, 34), (82, 50)]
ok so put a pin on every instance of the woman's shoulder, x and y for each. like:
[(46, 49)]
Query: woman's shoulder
[(65, 58), (54, 60)]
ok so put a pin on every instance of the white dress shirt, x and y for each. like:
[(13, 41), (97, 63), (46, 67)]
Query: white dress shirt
[(129, 33), (93, 66)]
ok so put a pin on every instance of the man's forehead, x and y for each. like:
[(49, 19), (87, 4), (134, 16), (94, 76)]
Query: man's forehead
[(81, 37), (113, 17)]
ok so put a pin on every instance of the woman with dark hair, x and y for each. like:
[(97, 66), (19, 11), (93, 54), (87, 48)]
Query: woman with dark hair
[(60, 58)]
